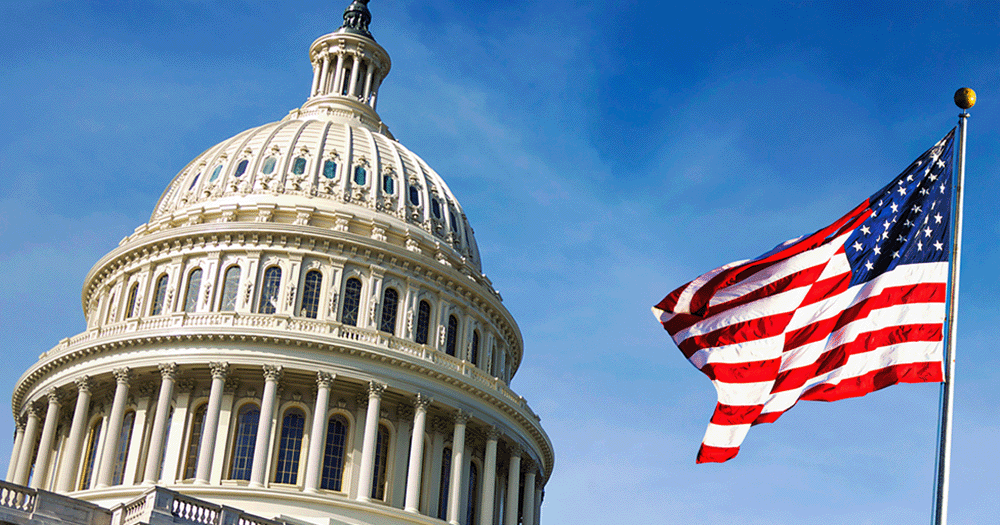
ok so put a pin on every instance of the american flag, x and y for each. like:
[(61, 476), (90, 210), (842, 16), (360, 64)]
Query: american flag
[(853, 308)]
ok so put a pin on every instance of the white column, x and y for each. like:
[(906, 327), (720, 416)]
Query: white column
[(172, 454), (367, 466), (72, 450), (416, 454), (210, 428), (48, 434), (15, 454), (368, 82), (456, 485), (114, 431), (529, 496), (354, 75), (489, 477), (27, 447), (337, 74), (319, 73), (513, 484), (168, 375), (317, 438), (272, 374), (432, 472), (539, 494)]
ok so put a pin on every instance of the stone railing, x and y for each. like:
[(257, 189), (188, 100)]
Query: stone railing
[(23, 506), (160, 506), (282, 323)]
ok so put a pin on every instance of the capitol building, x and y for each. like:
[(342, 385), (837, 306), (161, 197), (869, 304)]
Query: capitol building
[(301, 334)]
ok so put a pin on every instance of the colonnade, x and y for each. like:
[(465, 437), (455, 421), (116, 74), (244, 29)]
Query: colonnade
[(345, 77), (417, 478)]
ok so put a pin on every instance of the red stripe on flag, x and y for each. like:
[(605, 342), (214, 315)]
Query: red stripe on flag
[(708, 454), (749, 330), (748, 372), (877, 380), (735, 414), (828, 287)]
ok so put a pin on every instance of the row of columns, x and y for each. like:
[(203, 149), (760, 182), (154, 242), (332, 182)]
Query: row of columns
[(325, 84), (27, 435)]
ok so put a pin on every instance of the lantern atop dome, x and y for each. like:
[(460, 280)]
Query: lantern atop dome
[(356, 19)]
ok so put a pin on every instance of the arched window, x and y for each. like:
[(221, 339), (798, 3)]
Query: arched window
[(471, 516), (452, 340), (360, 175), (121, 455), (90, 455), (310, 294), (436, 208), (423, 322), (352, 302), (194, 442), (191, 292), (414, 196), (388, 184), (454, 223), (241, 168), (130, 305), (215, 173), (194, 182), (390, 300), (299, 166), (329, 169), (244, 443), (290, 447), (333, 455), (474, 351), (445, 484), (381, 462), (230, 287), (159, 294), (269, 291)]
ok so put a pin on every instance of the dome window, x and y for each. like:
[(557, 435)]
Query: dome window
[(215, 173), (269, 291), (310, 294), (414, 196), (269, 165), (389, 185), (330, 169), (436, 208), (474, 351), (241, 168), (423, 322), (130, 304), (191, 293), (194, 182), (390, 300), (381, 463), (159, 295), (245, 443), (360, 175), (451, 342), (333, 456), (299, 166), (454, 223), (352, 302), (229, 288), (290, 447)]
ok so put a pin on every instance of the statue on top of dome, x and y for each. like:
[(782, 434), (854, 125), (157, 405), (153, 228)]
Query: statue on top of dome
[(356, 18)]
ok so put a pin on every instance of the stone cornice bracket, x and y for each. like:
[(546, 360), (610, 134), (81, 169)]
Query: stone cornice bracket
[(185, 385), (231, 384), (375, 389), (145, 389), (168, 371), (273, 372), (422, 402), (123, 375), (84, 384), (219, 370), (324, 379)]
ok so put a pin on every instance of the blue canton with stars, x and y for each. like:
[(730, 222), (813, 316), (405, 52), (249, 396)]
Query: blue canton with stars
[(910, 218)]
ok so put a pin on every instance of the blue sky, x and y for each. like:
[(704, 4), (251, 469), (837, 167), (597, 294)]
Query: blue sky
[(605, 152)]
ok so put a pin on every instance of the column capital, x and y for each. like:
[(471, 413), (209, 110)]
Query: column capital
[(273, 372), (515, 450), (422, 402), (53, 395), (324, 379), (83, 384), (31, 411), (461, 418), (375, 389), (493, 434), (123, 375), (19, 424), (219, 370), (168, 371)]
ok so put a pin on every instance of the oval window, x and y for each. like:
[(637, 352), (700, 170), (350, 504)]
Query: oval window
[(241, 168), (329, 169), (436, 208), (360, 175), (195, 181), (389, 185), (269, 165), (299, 166), (215, 173), (414, 196)]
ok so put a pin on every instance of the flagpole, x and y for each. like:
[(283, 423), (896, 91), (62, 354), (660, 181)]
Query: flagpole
[(965, 98)]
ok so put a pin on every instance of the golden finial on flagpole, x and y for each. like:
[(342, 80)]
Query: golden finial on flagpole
[(965, 98)]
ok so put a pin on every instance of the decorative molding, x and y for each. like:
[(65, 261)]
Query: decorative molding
[(375, 389), (122, 375), (168, 371), (219, 370), (324, 379), (84, 384), (273, 372)]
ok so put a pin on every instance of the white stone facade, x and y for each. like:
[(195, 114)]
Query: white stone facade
[(301, 330)]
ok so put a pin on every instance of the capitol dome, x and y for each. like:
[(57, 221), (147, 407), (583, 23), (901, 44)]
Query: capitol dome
[(301, 333)]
